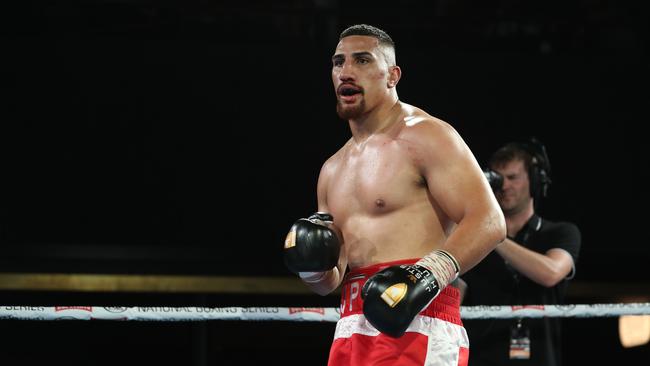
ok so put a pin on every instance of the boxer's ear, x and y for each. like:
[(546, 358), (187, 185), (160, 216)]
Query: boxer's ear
[(394, 74)]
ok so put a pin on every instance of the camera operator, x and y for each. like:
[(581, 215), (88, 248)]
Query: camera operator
[(531, 266)]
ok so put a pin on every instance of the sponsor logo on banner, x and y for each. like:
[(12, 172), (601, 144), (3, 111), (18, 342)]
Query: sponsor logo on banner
[(565, 308), (232, 310), (320, 311), (523, 307), (608, 306), (481, 308), (115, 309), (261, 310), (163, 309), (24, 308), (62, 308)]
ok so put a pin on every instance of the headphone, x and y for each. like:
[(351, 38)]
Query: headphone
[(539, 172)]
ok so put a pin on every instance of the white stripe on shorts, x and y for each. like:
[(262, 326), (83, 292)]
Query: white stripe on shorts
[(444, 338)]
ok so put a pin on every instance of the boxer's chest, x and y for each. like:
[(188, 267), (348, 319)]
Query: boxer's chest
[(379, 179)]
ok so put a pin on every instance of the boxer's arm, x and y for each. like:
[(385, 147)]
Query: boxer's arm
[(457, 184), (326, 282)]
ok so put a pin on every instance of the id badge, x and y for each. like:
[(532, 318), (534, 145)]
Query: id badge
[(519, 342)]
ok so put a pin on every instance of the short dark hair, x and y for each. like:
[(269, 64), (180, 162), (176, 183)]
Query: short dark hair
[(368, 30), (510, 152)]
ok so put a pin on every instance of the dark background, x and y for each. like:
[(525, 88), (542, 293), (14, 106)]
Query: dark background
[(164, 137)]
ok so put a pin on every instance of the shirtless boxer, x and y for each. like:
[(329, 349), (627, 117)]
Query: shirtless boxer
[(387, 203)]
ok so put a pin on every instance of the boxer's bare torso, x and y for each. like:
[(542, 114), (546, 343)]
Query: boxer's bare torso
[(379, 197)]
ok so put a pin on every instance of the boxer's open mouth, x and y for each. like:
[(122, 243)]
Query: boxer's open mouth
[(347, 90)]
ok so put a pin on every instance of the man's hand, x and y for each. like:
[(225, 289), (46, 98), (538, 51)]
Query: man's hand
[(394, 296), (311, 247)]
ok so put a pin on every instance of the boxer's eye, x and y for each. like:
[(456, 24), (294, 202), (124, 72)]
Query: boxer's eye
[(337, 61)]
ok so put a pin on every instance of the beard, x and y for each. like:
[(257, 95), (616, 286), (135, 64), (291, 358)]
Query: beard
[(347, 112)]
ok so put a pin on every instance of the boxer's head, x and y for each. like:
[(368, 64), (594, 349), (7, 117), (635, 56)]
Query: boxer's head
[(364, 72)]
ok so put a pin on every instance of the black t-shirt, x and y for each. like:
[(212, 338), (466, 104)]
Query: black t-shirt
[(494, 282)]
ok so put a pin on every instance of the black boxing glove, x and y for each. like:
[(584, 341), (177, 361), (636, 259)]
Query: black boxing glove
[(394, 296), (311, 248)]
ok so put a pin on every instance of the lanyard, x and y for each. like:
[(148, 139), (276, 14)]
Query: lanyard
[(533, 225)]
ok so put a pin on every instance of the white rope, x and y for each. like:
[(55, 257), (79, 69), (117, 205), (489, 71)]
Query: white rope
[(553, 311), (168, 314), (300, 313)]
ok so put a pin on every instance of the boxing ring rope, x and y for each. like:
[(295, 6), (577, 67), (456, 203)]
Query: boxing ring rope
[(304, 314)]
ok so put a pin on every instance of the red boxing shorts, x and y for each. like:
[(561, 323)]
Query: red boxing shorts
[(435, 337)]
